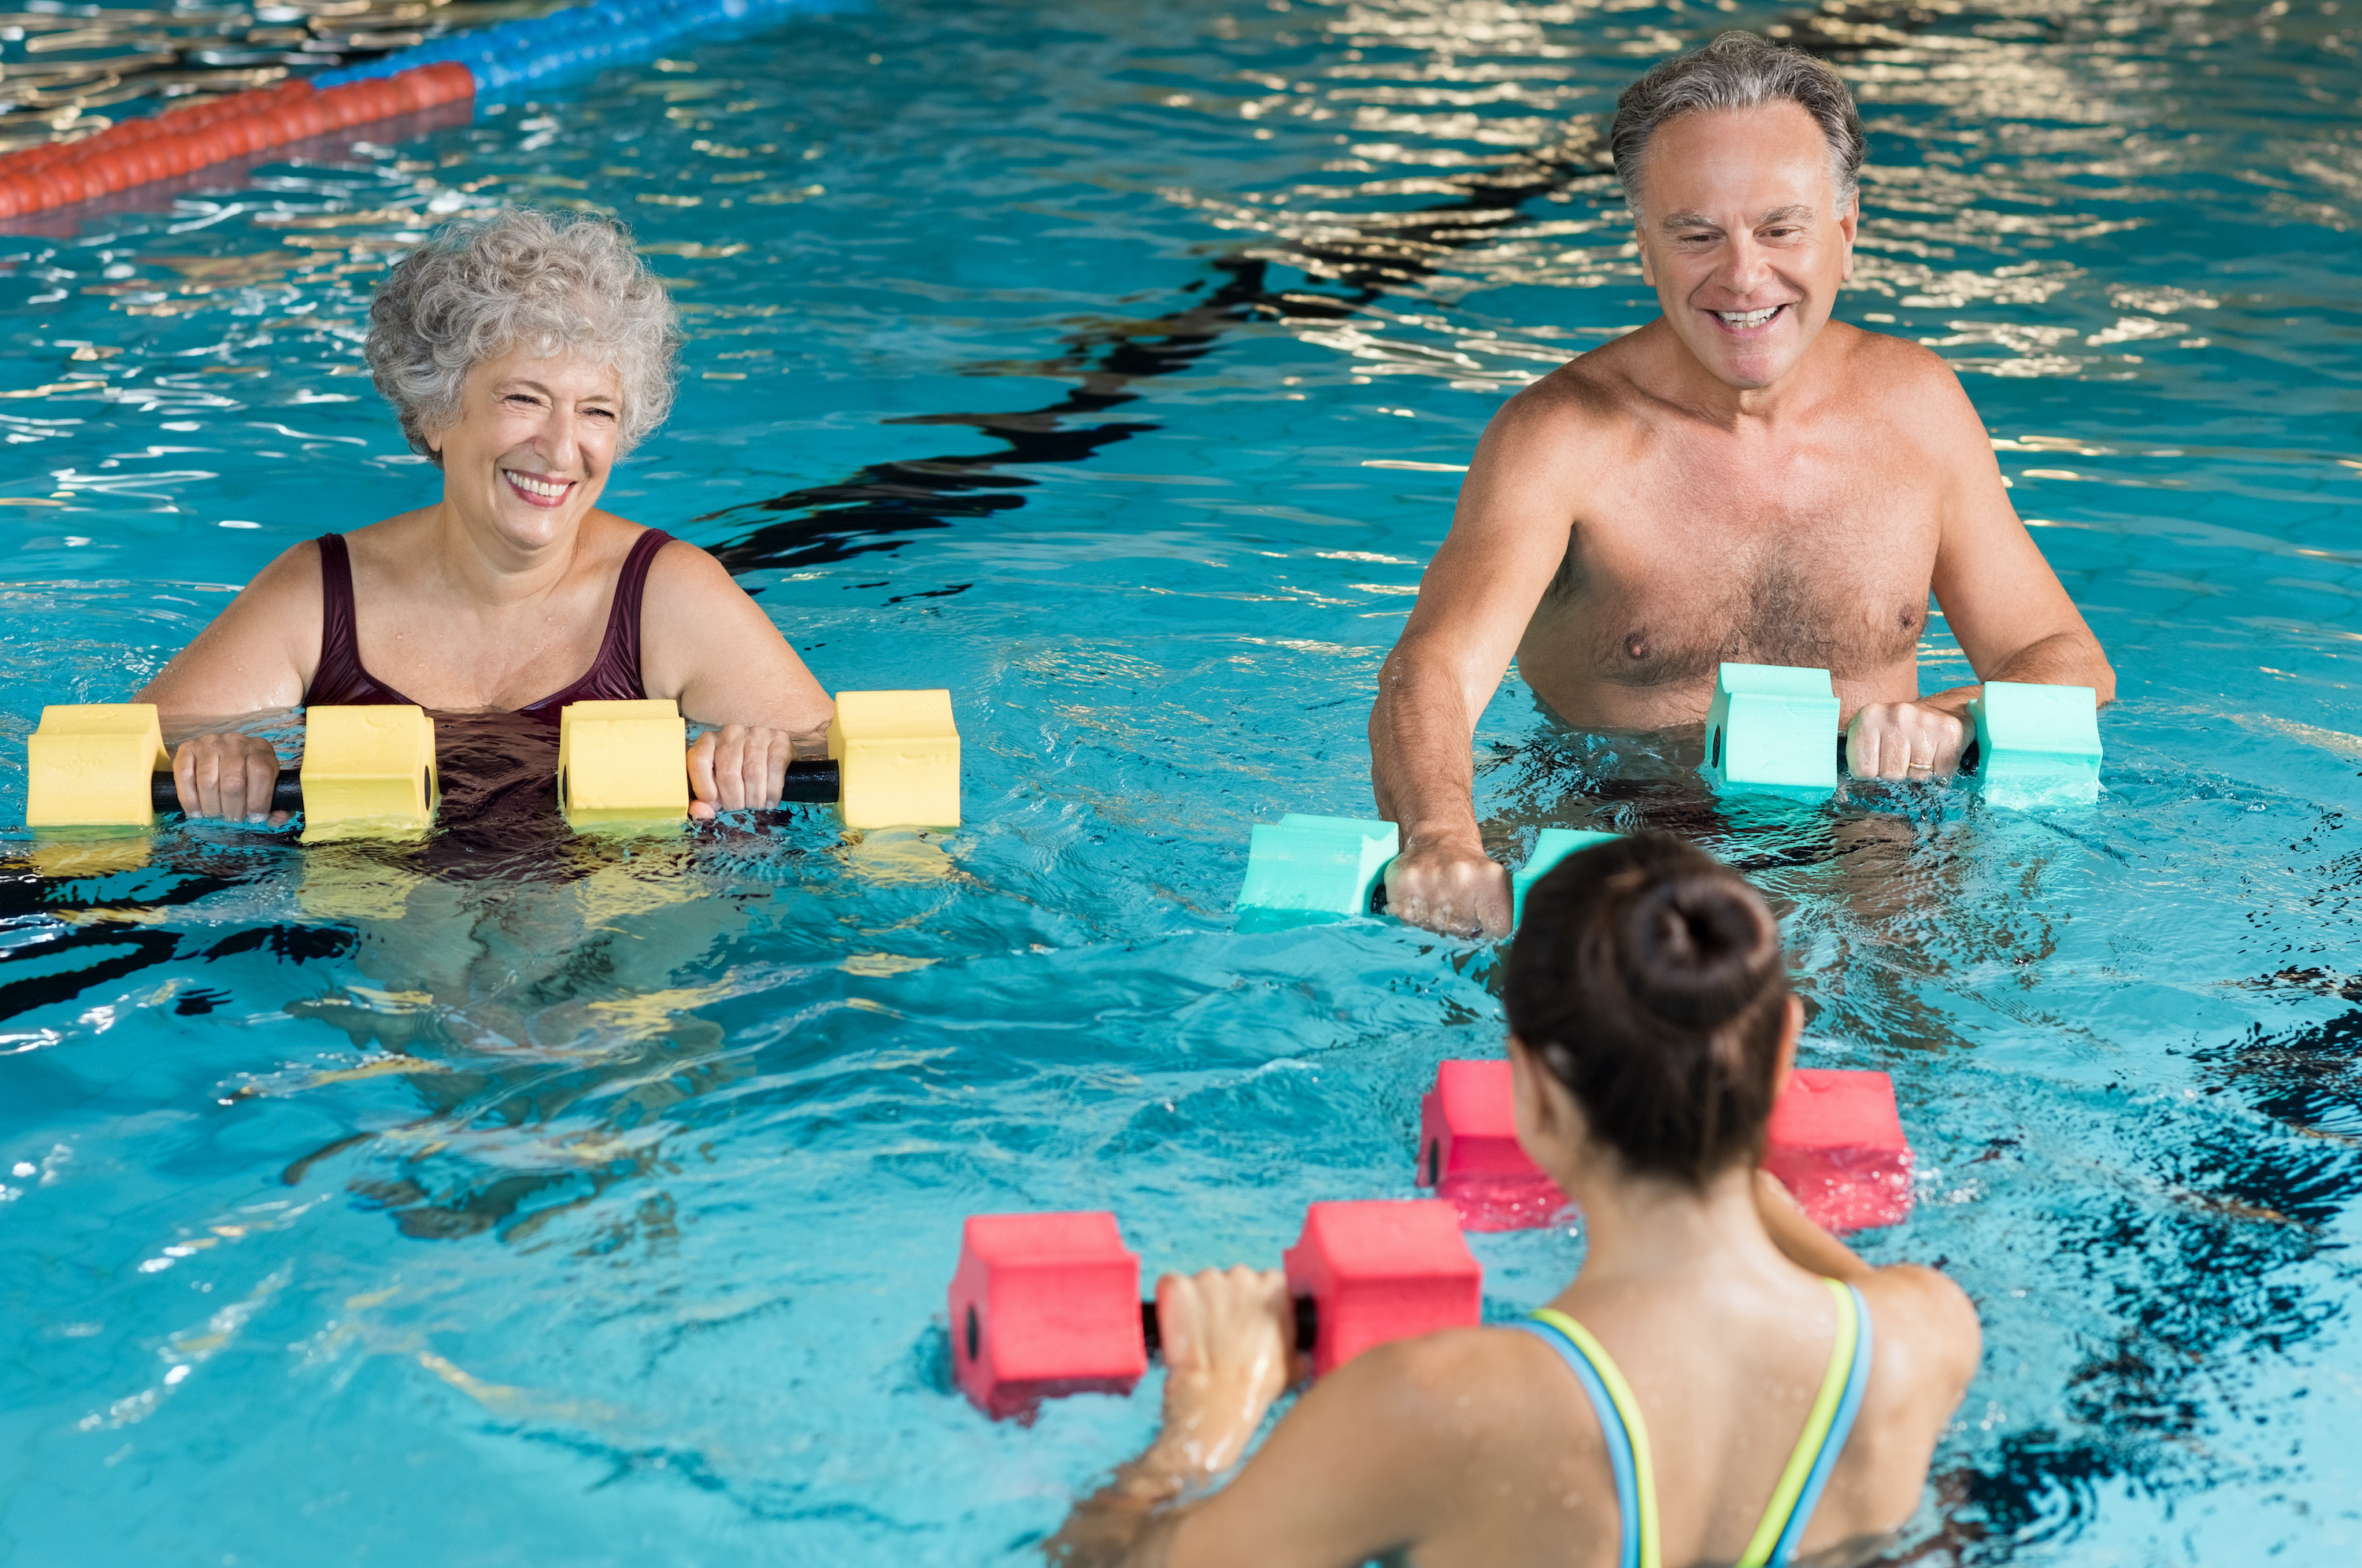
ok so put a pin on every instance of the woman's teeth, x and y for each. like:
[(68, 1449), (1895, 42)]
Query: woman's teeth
[(549, 489), (1743, 318)]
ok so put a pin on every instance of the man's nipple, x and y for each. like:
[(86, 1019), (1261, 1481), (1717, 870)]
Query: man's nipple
[(1636, 647)]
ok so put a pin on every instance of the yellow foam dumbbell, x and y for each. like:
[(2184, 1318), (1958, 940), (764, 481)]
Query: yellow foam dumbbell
[(893, 761), (367, 771), (94, 764), (897, 755), (619, 763)]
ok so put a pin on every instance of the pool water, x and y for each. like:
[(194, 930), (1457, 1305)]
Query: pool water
[(593, 1202)]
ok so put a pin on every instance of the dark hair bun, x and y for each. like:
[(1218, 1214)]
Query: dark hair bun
[(1694, 950), (1649, 977)]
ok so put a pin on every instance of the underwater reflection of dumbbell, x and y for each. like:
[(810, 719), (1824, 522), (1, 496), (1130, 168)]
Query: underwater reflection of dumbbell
[(366, 770), (1303, 869), (893, 761), (1047, 1305), (1770, 728), (1835, 1141)]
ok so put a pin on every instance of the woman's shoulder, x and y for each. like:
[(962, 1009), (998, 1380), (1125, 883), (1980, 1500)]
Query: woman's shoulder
[(1481, 1388), (1925, 1325), (1925, 1348), (682, 575), (292, 578)]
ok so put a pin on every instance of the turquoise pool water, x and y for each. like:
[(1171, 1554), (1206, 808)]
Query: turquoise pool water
[(1109, 363)]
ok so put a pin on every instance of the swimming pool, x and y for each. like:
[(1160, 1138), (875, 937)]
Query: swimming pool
[(1110, 363)]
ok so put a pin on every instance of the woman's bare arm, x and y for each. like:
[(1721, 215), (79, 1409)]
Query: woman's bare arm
[(1349, 1474), (706, 643), (256, 656)]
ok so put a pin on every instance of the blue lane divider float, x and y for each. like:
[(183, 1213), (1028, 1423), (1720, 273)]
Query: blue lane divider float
[(510, 58)]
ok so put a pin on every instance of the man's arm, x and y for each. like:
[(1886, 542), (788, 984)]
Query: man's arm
[(2005, 604), (1509, 534)]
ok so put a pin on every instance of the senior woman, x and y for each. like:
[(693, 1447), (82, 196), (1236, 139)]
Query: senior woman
[(525, 354)]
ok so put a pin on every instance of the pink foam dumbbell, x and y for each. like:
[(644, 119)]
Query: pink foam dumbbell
[(1047, 1305), (1375, 1271), (1835, 1140), (1836, 1143), (1468, 1151)]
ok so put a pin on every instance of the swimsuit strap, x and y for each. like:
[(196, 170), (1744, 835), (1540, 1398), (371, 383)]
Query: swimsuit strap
[(1619, 1423), (619, 651), (1823, 1437), (340, 656), (341, 679)]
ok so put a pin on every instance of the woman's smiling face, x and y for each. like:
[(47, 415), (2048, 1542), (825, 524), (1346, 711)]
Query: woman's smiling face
[(530, 451)]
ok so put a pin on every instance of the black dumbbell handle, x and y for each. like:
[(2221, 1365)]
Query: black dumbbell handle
[(1307, 1325), (810, 782), (286, 792)]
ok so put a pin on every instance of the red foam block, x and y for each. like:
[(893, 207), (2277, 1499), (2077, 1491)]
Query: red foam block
[(1380, 1270), (1835, 1140), (1469, 1151), (1044, 1304), (1836, 1143)]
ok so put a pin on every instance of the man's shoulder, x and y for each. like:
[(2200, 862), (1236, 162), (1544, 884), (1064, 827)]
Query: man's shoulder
[(1879, 365), (1591, 394)]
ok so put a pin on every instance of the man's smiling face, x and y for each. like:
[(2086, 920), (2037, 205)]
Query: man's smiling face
[(1740, 236)]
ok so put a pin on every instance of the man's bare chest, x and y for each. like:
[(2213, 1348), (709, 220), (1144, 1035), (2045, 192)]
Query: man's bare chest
[(1664, 581)]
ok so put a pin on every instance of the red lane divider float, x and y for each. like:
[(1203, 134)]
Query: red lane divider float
[(195, 136)]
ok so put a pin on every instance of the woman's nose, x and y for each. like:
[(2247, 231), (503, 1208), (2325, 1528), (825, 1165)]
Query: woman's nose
[(559, 440)]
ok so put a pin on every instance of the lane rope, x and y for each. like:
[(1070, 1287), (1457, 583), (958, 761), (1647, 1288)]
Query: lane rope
[(485, 63)]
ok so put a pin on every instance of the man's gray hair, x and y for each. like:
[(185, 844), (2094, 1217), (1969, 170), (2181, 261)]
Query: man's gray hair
[(549, 282), (1738, 70)]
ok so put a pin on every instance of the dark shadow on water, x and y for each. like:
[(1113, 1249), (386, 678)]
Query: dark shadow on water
[(882, 504)]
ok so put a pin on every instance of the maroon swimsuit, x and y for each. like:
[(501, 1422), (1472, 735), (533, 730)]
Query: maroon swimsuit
[(343, 682)]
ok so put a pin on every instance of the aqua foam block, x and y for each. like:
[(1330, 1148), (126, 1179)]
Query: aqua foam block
[(1772, 729)]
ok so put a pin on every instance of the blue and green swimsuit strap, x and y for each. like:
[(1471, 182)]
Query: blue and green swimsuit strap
[(1824, 1438), (1619, 1423), (1801, 1482)]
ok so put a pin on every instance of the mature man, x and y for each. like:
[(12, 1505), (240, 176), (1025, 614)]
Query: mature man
[(1741, 478)]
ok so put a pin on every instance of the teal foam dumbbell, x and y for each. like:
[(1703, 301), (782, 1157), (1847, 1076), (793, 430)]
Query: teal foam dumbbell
[(2036, 746), (1317, 869), (1550, 846), (1772, 730), (1304, 870)]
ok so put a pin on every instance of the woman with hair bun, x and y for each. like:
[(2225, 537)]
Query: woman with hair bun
[(1724, 1382), (524, 354)]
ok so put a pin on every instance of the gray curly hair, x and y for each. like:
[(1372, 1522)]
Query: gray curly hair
[(479, 287), (1738, 70)]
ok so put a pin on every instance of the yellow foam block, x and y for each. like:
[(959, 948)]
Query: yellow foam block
[(897, 757), (622, 762), (94, 764), (367, 772)]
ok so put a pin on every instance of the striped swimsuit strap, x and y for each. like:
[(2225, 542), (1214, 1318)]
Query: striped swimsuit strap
[(1802, 1481)]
